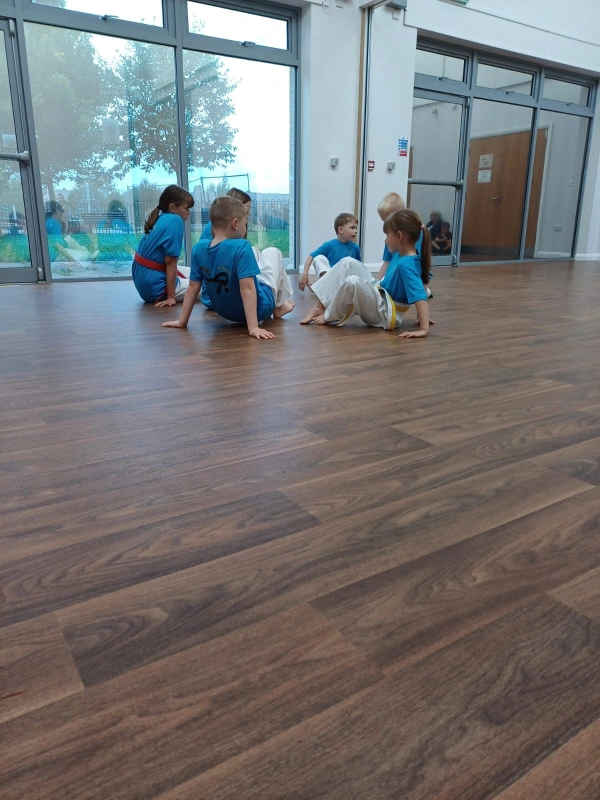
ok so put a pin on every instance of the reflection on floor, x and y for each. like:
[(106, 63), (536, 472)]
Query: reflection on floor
[(336, 565)]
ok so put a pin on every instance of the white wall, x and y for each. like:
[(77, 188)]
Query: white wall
[(393, 51), (329, 96)]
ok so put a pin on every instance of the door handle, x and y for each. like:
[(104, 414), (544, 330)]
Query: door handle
[(24, 157)]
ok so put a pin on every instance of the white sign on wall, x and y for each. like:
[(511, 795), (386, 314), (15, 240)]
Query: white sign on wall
[(484, 176), (486, 162)]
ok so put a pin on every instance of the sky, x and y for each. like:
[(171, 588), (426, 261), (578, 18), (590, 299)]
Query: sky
[(261, 98)]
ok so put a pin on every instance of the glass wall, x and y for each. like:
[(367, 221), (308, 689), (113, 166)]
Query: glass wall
[(105, 158), (556, 185), (126, 98), (521, 153), (496, 181), (257, 156)]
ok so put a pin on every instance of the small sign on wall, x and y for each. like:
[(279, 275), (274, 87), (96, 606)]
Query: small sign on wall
[(371, 166), (403, 148), (486, 162), (484, 176)]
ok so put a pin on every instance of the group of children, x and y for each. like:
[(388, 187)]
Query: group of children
[(244, 285)]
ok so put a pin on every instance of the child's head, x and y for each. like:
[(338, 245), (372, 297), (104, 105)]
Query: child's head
[(240, 195), (403, 229), (445, 228), (174, 200), (391, 203), (229, 217), (346, 227)]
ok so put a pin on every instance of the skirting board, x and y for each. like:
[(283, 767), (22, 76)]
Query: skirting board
[(587, 257)]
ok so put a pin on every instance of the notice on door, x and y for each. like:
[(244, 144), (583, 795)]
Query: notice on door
[(484, 176), (486, 162)]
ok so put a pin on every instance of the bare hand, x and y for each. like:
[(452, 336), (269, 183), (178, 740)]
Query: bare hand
[(302, 283), (170, 301), (174, 324), (413, 334), (258, 333)]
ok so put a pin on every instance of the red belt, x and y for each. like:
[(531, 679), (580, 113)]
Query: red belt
[(145, 262)]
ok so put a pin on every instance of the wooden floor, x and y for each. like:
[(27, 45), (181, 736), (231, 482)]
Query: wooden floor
[(336, 565)]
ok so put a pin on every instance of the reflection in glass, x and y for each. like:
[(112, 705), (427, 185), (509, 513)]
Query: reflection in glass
[(436, 206), (435, 139), (105, 158), (496, 183), (237, 26), (558, 172), (147, 11), (490, 77), (14, 241), (440, 66), (566, 92), (229, 144)]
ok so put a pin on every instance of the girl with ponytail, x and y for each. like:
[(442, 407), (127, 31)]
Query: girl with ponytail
[(349, 289), (156, 274)]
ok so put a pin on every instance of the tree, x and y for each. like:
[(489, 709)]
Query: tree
[(145, 105), (69, 86)]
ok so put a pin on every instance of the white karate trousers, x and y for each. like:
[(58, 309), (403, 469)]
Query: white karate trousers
[(348, 289)]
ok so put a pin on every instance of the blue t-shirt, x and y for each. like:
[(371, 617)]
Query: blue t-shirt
[(220, 269), (165, 239), (403, 280), (334, 251), (53, 227), (206, 235), (387, 254)]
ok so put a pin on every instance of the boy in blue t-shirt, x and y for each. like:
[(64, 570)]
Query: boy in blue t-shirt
[(238, 288), (333, 251)]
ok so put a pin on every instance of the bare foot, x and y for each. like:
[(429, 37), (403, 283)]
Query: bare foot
[(320, 320), (316, 311), (284, 309)]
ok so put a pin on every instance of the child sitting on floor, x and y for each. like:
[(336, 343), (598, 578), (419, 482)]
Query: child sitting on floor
[(329, 253), (239, 290), (348, 288)]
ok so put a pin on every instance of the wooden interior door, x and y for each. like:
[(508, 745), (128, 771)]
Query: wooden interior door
[(495, 196)]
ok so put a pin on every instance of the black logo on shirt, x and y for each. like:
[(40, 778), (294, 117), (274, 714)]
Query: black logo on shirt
[(221, 279)]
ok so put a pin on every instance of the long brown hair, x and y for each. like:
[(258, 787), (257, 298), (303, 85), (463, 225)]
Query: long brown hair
[(172, 194), (409, 223)]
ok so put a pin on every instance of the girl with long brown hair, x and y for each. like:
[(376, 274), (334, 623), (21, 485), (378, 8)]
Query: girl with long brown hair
[(155, 272)]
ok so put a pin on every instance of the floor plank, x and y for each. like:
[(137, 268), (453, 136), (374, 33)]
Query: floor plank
[(36, 667), (335, 565)]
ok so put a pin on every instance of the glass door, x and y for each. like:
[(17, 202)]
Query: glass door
[(16, 209), (436, 169)]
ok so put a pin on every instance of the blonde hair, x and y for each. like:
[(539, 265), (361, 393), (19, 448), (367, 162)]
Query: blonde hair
[(224, 209), (409, 222), (391, 202)]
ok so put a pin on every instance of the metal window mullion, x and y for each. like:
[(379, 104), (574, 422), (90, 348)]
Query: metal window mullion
[(584, 172), (500, 96), (460, 204), (564, 108), (34, 200), (231, 49), (528, 185), (179, 22), (432, 84)]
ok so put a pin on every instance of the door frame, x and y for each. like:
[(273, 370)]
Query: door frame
[(451, 259), (22, 159)]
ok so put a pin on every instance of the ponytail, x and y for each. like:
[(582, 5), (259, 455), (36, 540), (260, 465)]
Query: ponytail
[(426, 256), (172, 194), (409, 223), (151, 221)]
